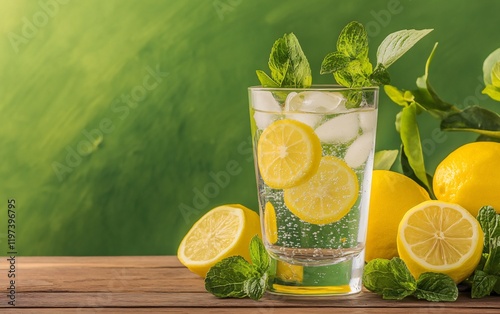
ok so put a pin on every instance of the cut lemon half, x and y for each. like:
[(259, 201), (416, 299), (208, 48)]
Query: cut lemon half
[(270, 224), (288, 153), (222, 232), (440, 237), (327, 196)]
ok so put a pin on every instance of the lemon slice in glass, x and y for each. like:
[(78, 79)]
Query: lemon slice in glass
[(440, 237), (288, 153), (327, 196)]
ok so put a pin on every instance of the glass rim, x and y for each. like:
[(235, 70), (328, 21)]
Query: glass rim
[(315, 87)]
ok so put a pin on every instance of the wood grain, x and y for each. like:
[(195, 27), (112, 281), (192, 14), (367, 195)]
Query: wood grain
[(162, 284)]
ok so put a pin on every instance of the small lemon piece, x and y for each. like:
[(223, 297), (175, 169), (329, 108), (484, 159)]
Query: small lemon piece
[(327, 196), (440, 237), (288, 153), (270, 224), (222, 232)]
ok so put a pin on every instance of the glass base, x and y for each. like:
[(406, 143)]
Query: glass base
[(343, 278)]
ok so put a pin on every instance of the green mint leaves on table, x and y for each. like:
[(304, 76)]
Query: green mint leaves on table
[(486, 277), (393, 281), (350, 64), (288, 64), (234, 277)]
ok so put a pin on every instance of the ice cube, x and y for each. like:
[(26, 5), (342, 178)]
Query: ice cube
[(314, 101), (368, 120), (308, 118), (266, 108), (359, 150), (341, 129)]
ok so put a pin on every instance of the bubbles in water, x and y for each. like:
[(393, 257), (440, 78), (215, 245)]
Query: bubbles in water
[(359, 150), (340, 129)]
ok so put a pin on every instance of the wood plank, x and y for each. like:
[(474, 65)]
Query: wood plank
[(28, 262), (205, 300), (254, 311)]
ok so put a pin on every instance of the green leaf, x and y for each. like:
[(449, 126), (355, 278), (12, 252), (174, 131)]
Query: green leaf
[(473, 119), (482, 284), (265, 80), (389, 278), (426, 97), (490, 223), (353, 40), (380, 76), (258, 254), (436, 287), (412, 147), (288, 64), (408, 171), (396, 95), (495, 75), (227, 278), (492, 91), (333, 62), (255, 287), (488, 65), (397, 44), (384, 159)]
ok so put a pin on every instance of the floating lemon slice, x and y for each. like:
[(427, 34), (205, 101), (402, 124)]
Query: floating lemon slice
[(440, 237), (270, 224), (288, 153), (222, 232), (327, 196)]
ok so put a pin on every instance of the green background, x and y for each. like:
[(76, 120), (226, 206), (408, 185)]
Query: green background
[(96, 174)]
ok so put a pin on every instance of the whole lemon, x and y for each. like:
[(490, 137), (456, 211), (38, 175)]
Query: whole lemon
[(392, 195), (470, 177)]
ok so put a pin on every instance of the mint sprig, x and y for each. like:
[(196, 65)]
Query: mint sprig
[(288, 65), (393, 281), (234, 277), (350, 64), (486, 277)]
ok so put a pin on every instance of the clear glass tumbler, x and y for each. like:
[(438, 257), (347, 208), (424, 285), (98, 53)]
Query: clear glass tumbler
[(313, 151)]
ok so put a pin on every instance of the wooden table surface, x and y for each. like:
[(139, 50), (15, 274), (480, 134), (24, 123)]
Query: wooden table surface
[(161, 284)]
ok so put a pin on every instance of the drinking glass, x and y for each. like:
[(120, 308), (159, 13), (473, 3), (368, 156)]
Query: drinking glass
[(313, 152)]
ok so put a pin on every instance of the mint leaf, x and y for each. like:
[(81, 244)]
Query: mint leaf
[(389, 278), (353, 41), (489, 64), (397, 44), (258, 254), (380, 76), (384, 159), (288, 64), (436, 287), (397, 95), (265, 80), (490, 223), (255, 287), (227, 278), (483, 284), (333, 62)]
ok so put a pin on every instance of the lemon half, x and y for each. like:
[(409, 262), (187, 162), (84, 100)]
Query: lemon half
[(440, 237), (222, 232)]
